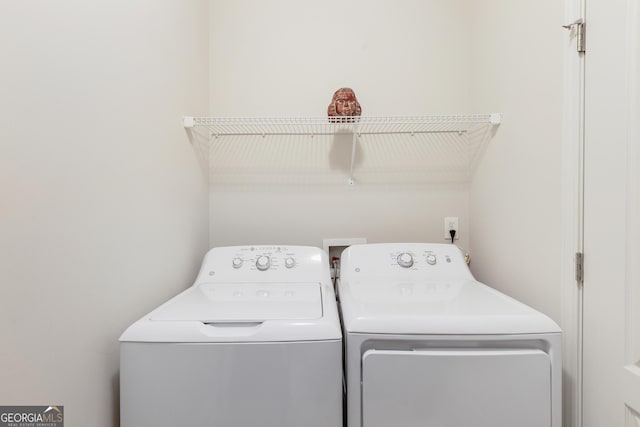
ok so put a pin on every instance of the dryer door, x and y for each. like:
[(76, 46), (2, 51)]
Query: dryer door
[(456, 388)]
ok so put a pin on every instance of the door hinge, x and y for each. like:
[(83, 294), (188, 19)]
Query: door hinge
[(581, 36), (580, 29), (579, 267)]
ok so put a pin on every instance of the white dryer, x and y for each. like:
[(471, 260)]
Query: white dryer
[(256, 341), (428, 345)]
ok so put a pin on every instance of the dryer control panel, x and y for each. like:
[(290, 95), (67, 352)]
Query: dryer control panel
[(417, 260), (264, 263)]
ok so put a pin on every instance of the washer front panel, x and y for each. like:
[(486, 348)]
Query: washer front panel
[(293, 384)]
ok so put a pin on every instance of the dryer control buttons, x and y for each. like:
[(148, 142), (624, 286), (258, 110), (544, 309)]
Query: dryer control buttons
[(237, 262), (431, 259), (263, 263), (289, 262), (405, 260)]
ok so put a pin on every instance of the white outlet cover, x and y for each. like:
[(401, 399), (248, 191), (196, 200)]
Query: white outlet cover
[(451, 222)]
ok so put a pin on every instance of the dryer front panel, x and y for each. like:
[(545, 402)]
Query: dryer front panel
[(456, 387)]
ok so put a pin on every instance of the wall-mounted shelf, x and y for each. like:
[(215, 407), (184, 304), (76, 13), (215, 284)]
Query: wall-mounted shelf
[(449, 144)]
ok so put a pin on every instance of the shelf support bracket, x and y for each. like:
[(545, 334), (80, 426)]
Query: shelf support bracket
[(188, 122), (354, 144)]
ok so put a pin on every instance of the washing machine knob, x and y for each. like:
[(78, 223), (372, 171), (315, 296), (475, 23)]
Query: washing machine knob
[(405, 260), (431, 259), (237, 262), (263, 263), (289, 262)]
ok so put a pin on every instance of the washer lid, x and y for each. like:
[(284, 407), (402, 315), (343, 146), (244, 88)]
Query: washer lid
[(436, 307), (243, 302)]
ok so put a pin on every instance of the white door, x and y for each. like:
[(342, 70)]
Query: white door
[(611, 358)]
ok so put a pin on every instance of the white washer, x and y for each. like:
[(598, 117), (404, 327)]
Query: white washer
[(256, 341), (428, 345)]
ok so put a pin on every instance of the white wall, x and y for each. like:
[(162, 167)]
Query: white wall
[(305, 216), (286, 57), (406, 57), (103, 204), (515, 196)]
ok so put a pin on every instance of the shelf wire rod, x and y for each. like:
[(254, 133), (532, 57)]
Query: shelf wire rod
[(267, 133), (215, 133), (413, 132)]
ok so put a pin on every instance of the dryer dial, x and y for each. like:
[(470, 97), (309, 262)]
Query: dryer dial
[(405, 260), (289, 262), (237, 262)]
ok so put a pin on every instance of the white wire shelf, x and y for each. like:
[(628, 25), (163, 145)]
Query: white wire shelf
[(247, 126), (443, 148)]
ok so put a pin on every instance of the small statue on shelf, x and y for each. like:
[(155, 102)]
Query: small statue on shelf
[(344, 106)]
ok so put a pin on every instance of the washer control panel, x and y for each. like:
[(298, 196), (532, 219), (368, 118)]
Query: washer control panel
[(264, 258), (239, 263)]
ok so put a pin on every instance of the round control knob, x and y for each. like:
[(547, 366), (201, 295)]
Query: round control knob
[(237, 262), (263, 263), (431, 259), (405, 260), (289, 262)]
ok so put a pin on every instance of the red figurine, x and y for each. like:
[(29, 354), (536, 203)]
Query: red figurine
[(344, 105)]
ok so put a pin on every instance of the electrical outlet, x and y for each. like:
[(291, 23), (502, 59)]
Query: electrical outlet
[(451, 223)]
